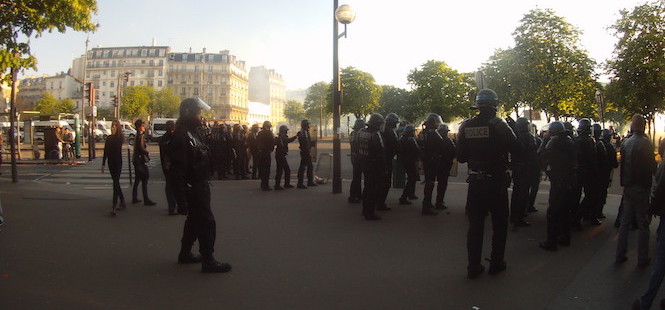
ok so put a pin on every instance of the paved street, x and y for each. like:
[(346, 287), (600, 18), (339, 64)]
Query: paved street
[(293, 249)]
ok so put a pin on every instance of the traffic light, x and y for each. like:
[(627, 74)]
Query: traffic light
[(90, 93), (114, 99)]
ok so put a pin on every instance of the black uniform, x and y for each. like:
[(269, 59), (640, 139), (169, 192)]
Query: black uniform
[(600, 181), (113, 152), (306, 145), (522, 168), (227, 153), (240, 150), (355, 191), (265, 144), (607, 171), (536, 176), (166, 158), (409, 156), (586, 175), (253, 151), (559, 156), (391, 143), (484, 142), (140, 159), (190, 173), (372, 160), (437, 154), (282, 142)]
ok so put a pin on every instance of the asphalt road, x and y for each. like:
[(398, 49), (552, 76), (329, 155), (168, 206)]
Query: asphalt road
[(293, 249)]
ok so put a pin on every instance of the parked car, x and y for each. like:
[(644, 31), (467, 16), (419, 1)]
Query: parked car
[(129, 132)]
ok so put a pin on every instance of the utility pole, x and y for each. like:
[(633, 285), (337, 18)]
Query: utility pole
[(13, 133)]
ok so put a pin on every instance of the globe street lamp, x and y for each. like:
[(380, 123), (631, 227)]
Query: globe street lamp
[(345, 15)]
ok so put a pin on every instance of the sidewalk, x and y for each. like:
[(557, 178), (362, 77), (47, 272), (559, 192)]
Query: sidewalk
[(292, 249)]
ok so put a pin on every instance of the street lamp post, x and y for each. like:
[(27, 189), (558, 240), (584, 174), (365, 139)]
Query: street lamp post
[(345, 15), (601, 106)]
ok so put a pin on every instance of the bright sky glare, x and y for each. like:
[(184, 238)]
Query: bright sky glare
[(388, 38)]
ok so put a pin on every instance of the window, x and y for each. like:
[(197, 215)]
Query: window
[(132, 83), (159, 83), (161, 63), (112, 73), (112, 84), (161, 72), (196, 91), (209, 68), (103, 83), (183, 91)]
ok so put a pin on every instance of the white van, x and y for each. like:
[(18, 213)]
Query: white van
[(129, 132), (158, 127), (40, 125)]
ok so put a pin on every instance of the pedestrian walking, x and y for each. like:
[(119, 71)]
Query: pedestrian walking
[(190, 173), (113, 153), (637, 168), (484, 142), (141, 157)]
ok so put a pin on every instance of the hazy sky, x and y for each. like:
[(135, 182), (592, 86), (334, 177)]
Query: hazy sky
[(388, 38)]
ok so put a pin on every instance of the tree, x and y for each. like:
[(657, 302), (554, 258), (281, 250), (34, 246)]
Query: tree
[(502, 77), (317, 103), (28, 18), (136, 101), (360, 93), (553, 73), (399, 101), (47, 104), (441, 89), (166, 103), (294, 112), (103, 113), (638, 83)]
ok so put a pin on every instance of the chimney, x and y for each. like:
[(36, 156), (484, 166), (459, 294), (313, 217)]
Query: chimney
[(154, 41)]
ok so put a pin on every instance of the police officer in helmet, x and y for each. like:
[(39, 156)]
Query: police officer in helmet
[(372, 161), (484, 142), (190, 174), (265, 144), (391, 142), (355, 191), (409, 156)]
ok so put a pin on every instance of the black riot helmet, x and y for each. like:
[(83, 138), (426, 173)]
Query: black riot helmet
[(267, 125), (375, 121), (486, 98), (304, 124), (255, 128), (597, 130), (283, 130), (557, 128), (392, 119), (584, 126), (522, 124), (432, 121), (443, 130), (190, 111), (606, 135), (359, 124), (568, 126), (409, 131)]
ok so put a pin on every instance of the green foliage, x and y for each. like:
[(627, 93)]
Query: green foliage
[(552, 72), (34, 17), (502, 77), (166, 103), (441, 89), (294, 112), (638, 84), (48, 105), (318, 101), (401, 102), (136, 101), (360, 93), (103, 113)]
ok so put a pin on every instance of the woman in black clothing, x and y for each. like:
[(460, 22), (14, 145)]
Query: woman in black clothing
[(113, 151)]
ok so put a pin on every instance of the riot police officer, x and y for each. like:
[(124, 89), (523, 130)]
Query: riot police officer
[(190, 174), (445, 167), (602, 162), (484, 142), (608, 170), (372, 160), (306, 145), (282, 150), (432, 146), (253, 150), (521, 166), (586, 174), (240, 150), (559, 155), (265, 144), (409, 155), (391, 143), (355, 191)]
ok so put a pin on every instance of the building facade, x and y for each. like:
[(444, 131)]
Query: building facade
[(107, 67), (219, 79), (267, 86)]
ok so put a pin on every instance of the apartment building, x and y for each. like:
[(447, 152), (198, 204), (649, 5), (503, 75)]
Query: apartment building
[(267, 86), (107, 68), (219, 79)]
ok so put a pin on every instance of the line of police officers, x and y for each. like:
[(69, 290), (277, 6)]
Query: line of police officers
[(574, 162)]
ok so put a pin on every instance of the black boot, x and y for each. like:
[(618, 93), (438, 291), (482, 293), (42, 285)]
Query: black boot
[(213, 266)]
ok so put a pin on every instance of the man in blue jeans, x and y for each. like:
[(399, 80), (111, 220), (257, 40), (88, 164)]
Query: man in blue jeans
[(657, 207)]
